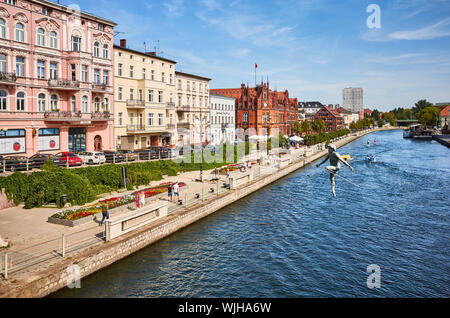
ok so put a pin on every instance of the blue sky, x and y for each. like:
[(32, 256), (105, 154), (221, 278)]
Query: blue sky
[(314, 48)]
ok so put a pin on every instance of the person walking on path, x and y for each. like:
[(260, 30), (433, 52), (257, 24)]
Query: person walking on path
[(142, 199), (176, 191), (169, 192), (105, 213)]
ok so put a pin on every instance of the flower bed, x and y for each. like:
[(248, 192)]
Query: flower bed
[(72, 217)]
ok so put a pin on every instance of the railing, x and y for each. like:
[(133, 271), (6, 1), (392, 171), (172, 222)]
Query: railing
[(135, 102), (63, 83), (99, 86), (184, 108), (170, 105), (101, 116), (8, 77), (171, 126), (134, 128)]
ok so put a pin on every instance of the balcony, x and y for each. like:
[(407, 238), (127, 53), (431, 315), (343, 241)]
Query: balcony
[(76, 117), (171, 127), (134, 103), (63, 84), (184, 108), (8, 78), (170, 105), (99, 88), (184, 124), (143, 129)]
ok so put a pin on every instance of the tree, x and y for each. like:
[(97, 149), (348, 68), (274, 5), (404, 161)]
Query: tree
[(306, 127), (429, 116), (297, 128), (376, 115), (319, 125), (381, 122), (420, 106), (353, 125)]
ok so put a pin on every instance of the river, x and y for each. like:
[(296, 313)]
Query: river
[(293, 239)]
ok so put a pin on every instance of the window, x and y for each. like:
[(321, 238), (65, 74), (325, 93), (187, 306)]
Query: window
[(2, 29), (20, 32), (120, 69), (84, 73), (54, 102), (53, 40), (101, 27), (41, 69), (85, 104), (106, 105), (160, 97), (140, 95), (97, 76), (20, 66), (120, 97), (2, 63), (76, 44), (53, 71), (105, 77), (120, 119), (163, 79), (245, 117), (96, 49), (131, 71), (160, 119), (143, 73), (105, 51), (150, 96), (153, 75), (131, 94), (73, 69), (41, 37), (41, 103), (97, 104), (3, 100), (20, 101), (73, 104), (171, 79), (150, 119)]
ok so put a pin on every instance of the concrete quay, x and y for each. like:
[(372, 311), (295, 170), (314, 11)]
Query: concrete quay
[(46, 280)]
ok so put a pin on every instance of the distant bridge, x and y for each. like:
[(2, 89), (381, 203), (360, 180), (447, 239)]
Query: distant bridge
[(407, 122)]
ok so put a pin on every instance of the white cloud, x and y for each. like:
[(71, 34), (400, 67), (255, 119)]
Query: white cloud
[(238, 53), (437, 30), (175, 8)]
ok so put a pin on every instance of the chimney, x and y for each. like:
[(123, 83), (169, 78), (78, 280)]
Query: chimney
[(123, 43), (151, 53)]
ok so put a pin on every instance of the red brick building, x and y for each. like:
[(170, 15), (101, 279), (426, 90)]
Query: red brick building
[(262, 109), (333, 120)]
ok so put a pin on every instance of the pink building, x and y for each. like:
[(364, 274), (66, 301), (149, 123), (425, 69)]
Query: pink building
[(56, 79)]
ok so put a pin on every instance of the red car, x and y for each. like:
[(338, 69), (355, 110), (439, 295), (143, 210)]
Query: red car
[(74, 160)]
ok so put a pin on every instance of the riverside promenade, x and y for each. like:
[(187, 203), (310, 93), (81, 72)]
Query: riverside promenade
[(30, 234)]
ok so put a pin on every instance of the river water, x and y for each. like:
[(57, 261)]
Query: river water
[(293, 239)]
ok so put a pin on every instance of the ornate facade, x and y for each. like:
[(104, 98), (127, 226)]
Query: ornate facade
[(262, 109), (56, 79)]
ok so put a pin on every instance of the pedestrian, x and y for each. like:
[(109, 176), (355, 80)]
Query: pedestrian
[(142, 199), (169, 192), (228, 174), (105, 213), (138, 201), (176, 192)]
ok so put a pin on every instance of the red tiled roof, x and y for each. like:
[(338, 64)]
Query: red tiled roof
[(445, 112)]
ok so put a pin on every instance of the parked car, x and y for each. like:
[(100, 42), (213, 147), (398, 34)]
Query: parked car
[(38, 160), (128, 154), (92, 158), (71, 158), (173, 152), (17, 163), (147, 154), (162, 152), (113, 157)]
